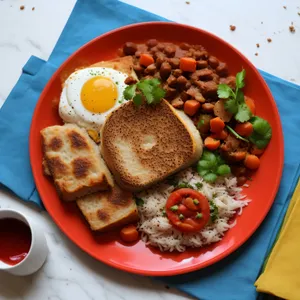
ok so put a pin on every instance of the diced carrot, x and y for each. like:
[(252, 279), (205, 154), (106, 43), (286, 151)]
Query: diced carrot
[(252, 162), (257, 151), (211, 143), (216, 125), (250, 103), (191, 107), (187, 64), (238, 155), (222, 135), (129, 234), (146, 59), (244, 129)]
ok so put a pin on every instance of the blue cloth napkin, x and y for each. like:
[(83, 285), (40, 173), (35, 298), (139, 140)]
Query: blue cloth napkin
[(234, 276)]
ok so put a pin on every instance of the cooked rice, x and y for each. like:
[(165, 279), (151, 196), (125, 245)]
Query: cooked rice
[(157, 231)]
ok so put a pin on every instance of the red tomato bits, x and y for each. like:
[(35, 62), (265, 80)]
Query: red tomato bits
[(188, 210)]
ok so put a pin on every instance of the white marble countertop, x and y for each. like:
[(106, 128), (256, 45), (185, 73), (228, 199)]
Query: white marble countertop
[(69, 273)]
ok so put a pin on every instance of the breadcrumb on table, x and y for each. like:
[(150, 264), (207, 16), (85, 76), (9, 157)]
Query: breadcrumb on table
[(269, 40), (232, 27)]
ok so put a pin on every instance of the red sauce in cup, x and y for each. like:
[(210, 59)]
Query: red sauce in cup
[(15, 240)]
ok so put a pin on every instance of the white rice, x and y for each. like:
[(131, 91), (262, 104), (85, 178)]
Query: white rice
[(157, 231)]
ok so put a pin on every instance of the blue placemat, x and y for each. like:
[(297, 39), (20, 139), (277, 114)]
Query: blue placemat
[(233, 277)]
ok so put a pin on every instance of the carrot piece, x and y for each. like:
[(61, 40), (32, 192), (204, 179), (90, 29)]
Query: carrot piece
[(222, 135), (146, 59), (238, 155), (244, 129), (129, 234), (257, 151), (191, 107), (187, 64), (252, 162), (189, 203), (250, 103), (211, 143), (216, 125)]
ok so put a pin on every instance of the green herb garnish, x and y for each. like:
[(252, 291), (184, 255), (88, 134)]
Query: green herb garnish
[(139, 201), (199, 185), (181, 216), (199, 215), (236, 134), (262, 132), (184, 185), (196, 202), (174, 208), (214, 211), (164, 214), (200, 123), (211, 165), (235, 102), (149, 89)]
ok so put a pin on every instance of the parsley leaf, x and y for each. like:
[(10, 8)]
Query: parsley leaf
[(239, 79), (262, 132), (235, 100), (211, 165), (138, 99), (129, 91), (224, 91), (214, 211)]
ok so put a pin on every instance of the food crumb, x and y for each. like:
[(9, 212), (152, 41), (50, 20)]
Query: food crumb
[(33, 8), (284, 7), (256, 54), (257, 45), (22, 7), (232, 27), (292, 29), (187, 2), (269, 40)]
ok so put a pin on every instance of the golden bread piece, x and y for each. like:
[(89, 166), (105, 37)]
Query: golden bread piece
[(143, 145), (74, 162), (122, 64), (107, 210)]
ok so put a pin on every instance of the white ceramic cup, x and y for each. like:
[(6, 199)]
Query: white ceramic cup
[(38, 250)]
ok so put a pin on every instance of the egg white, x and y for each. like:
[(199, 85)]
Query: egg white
[(71, 109)]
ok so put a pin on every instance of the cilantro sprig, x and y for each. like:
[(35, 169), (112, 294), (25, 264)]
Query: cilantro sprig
[(236, 134), (147, 89), (214, 211), (262, 132), (211, 165), (235, 102)]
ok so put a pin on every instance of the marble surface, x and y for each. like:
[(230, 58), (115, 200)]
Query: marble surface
[(69, 273)]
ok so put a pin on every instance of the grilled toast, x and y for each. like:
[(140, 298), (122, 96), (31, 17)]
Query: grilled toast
[(143, 145), (107, 210), (74, 162)]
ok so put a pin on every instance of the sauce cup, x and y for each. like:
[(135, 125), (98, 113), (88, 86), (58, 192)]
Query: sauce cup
[(38, 249)]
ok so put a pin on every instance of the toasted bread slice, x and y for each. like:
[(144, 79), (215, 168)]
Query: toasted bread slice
[(74, 162), (107, 210), (143, 145), (122, 64)]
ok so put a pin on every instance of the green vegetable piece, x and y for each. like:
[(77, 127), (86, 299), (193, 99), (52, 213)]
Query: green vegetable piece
[(214, 211), (139, 201), (236, 134), (199, 215), (184, 185), (210, 177), (174, 208), (200, 123), (199, 185), (202, 172), (129, 92), (230, 105), (223, 170), (137, 99), (262, 132), (196, 201), (224, 91), (181, 216), (239, 79), (164, 214)]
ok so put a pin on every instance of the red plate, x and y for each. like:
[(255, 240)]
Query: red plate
[(138, 258)]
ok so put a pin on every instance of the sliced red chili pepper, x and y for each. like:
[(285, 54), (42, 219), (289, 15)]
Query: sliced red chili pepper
[(193, 211)]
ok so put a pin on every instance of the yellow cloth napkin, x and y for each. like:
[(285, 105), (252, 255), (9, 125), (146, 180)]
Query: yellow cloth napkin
[(281, 276)]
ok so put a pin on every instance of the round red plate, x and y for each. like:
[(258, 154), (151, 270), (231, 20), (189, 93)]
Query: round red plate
[(138, 258)]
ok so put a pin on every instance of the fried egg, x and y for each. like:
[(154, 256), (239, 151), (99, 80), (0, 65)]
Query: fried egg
[(90, 94)]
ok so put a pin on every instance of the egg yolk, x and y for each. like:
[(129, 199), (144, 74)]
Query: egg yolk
[(99, 94)]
